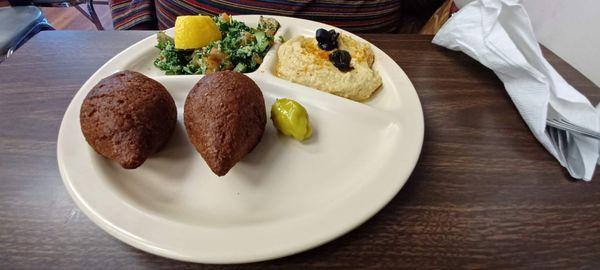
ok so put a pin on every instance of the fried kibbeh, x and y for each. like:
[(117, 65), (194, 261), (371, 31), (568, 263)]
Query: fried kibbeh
[(225, 118), (127, 117)]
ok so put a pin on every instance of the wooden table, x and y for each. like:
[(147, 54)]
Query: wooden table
[(484, 194)]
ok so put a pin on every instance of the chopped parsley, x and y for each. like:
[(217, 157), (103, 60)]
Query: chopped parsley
[(241, 49)]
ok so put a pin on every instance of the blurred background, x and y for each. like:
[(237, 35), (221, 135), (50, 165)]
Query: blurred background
[(568, 28), (64, 18)]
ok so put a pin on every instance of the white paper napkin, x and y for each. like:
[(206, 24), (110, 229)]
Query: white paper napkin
[(498, 34)]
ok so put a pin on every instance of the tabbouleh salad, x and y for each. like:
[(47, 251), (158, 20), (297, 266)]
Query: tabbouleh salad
[(241, 49)]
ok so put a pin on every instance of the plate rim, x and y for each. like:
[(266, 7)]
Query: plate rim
[(131, 240)]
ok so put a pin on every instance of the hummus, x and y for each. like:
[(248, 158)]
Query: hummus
[(300, 60)]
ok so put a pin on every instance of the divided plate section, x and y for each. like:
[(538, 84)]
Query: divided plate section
[(144, 52), (140, 58), (280, 179)]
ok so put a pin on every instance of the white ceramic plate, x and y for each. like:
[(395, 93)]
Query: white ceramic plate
[(283, 198)]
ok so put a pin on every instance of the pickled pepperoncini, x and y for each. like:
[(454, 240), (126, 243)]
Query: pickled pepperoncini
[(291, 119)]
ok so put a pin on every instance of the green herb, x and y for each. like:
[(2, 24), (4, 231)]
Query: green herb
[(241, 48), (163, 39), (171, 60)]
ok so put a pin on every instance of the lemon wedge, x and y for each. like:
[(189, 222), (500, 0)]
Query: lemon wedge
[(193, 32)]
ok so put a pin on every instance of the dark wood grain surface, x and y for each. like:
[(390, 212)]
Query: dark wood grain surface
[(485, 194)]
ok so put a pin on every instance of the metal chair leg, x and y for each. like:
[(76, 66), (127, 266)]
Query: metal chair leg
[(91, 14), (95, 19)]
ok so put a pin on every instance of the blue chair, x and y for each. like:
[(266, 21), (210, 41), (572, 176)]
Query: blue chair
[(17, 25)]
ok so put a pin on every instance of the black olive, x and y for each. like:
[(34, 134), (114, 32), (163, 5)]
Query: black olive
[(322, 35), (341, 60), (333, 35), (327, 46), (327, 40)]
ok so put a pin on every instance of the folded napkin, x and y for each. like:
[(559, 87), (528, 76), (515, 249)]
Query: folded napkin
[(498, 34)]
